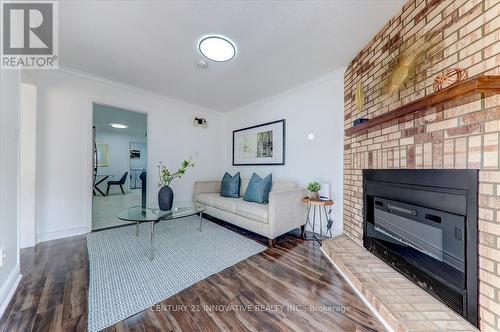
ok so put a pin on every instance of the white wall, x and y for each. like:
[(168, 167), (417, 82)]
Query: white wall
[(118, 155), (64, 156), (64, 140), (9, 183), (27, 164), (315, 107)]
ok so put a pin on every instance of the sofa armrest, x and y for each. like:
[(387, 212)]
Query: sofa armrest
[(286, 211), (205, 187)]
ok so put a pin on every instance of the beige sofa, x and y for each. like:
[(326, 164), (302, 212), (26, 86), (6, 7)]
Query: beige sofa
[(285, 210)]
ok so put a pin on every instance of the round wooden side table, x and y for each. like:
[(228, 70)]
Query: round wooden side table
[(320, 206)]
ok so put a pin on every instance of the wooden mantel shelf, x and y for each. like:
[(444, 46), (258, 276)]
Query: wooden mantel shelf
[(476, 84)]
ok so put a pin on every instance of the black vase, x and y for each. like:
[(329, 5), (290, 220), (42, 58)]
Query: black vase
[(165, 198)]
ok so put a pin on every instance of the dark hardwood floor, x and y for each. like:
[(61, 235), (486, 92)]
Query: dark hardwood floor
[(52, 295)]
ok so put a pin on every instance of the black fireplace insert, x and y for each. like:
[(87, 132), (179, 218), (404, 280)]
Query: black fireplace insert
[(423, 223)]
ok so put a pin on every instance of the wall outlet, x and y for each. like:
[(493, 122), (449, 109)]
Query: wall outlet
[(2, 256)]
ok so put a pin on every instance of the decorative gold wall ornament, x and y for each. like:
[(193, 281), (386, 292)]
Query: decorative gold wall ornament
[(449, 77), (359, 97), (403, 70)]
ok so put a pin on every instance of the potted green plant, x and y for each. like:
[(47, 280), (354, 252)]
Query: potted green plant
[(314, 188), (166, 194)]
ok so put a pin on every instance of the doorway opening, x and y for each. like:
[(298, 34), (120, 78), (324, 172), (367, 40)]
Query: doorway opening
[(120, 163)]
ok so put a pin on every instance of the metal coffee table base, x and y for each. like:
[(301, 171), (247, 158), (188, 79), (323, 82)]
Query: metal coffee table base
[(151, 254)]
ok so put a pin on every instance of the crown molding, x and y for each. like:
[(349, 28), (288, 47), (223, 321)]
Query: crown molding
[(135, 89), (308, 84), (302, 86)]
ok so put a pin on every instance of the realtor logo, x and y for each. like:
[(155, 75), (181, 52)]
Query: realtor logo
[(29, 35)]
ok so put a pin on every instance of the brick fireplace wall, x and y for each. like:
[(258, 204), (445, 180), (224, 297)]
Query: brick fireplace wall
[(463, 134)]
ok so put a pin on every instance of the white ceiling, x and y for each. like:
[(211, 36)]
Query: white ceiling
[(153, 44), (104, 115)]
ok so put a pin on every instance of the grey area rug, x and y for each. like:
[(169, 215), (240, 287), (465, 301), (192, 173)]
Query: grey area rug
[(123, 281)]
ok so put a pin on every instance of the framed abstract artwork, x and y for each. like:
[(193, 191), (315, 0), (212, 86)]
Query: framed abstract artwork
[(102, 155), (263, 144)]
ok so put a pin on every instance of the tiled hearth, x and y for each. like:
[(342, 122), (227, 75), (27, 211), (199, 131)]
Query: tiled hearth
[(404, 306), (462, 134)]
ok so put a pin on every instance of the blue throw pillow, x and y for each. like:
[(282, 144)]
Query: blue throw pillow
[(230, 186), (258, 189)]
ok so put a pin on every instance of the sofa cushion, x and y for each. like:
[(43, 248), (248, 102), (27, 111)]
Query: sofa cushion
[(277, 186), (230, 185), (207, 199), (251, 210), (225, 203), (258, 189)]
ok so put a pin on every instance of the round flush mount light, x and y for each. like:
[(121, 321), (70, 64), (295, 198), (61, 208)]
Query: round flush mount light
[(118, 125), (217, 48), (310, 136)]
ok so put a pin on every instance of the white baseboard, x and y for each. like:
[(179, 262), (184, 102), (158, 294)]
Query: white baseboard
[(368, 304), (9, 288), (27, 244), (48, 236)]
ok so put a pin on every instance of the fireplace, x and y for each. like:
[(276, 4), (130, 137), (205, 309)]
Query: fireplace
[(423, 223)]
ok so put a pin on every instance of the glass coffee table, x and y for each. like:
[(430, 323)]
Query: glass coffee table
[(139, 215)]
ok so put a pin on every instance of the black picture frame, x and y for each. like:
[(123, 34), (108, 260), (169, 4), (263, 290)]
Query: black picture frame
[(283, 143)]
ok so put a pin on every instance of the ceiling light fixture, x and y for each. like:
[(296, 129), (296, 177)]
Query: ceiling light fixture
[(118, 125), (217, 48)]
